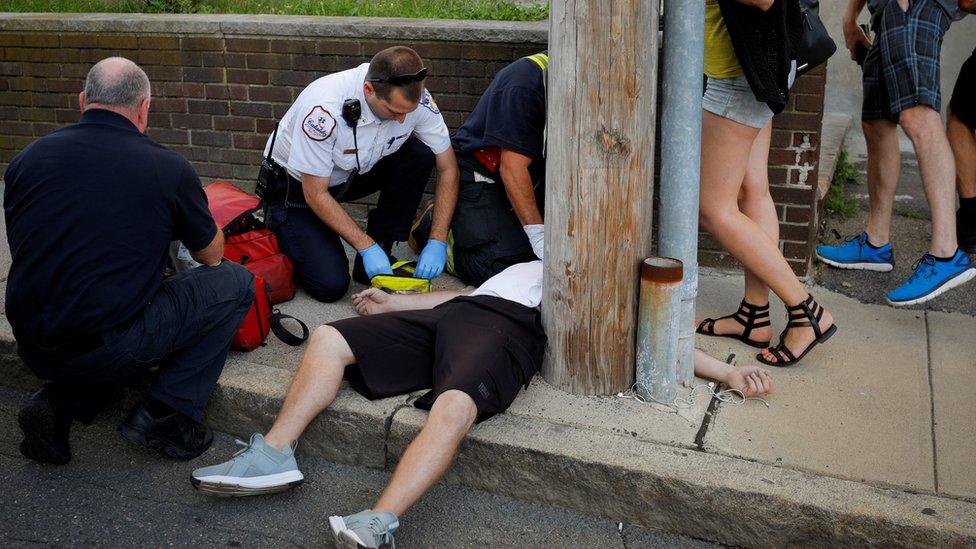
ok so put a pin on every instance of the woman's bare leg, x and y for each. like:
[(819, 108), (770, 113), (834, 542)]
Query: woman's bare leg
[(726, 147)]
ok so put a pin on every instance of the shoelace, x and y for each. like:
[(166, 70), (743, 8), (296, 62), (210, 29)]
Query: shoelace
[(245, 446), (927, 260), (379, 529)]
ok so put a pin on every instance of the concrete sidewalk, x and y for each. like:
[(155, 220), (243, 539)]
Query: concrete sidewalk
[(870, 440)]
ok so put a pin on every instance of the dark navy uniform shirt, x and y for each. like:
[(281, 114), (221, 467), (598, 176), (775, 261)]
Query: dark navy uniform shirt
[(511, 114), (90, 212)]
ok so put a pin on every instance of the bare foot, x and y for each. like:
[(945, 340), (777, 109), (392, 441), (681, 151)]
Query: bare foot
[(372, 301), (797, 339)]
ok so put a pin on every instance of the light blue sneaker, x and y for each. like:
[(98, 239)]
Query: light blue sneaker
[(856, 253), (257, 468), (932, 278), (366, 529)]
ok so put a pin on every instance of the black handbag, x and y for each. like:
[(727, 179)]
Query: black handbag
[(816, 46)]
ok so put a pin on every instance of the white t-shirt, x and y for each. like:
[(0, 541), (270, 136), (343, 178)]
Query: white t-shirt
[(521, 283), (314, 139)]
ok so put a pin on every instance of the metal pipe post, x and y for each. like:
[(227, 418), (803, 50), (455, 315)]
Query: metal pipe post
[(657, 333), (684, 49)]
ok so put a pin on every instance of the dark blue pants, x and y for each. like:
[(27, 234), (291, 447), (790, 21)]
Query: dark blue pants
[(316, 251), (186, 330)]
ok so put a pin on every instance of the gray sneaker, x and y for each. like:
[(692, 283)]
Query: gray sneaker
[(366, 529), (257, 468)]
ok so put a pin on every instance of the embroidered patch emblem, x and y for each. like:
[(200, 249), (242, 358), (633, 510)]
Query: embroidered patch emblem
[(318, 124), (428, 101)]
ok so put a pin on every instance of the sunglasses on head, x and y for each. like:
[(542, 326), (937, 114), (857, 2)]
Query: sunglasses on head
[(401, 79)]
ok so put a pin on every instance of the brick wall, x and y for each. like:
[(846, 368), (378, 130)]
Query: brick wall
[(221, 82)]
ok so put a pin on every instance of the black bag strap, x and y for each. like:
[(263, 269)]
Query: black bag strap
[(282, 333)]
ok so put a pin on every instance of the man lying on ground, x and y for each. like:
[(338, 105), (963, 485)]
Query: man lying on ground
[(475, 350)]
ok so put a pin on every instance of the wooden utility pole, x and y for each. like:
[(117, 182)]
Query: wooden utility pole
[(599, 186)]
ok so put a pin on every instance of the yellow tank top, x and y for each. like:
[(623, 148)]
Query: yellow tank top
[(720, 60)]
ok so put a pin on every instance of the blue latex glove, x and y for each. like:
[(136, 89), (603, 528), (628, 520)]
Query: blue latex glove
[(375, 261), (432, 260)]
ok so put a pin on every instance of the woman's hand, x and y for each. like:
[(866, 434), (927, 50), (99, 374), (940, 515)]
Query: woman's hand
[(854, 35)]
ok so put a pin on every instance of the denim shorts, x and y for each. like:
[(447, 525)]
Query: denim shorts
[(732, 98)]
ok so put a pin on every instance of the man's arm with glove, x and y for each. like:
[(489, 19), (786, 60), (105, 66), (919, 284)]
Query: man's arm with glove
[(514, 171), (434, 255), (316, 191)]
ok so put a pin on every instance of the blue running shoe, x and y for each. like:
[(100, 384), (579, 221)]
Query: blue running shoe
[(933, 278), (856, 253)]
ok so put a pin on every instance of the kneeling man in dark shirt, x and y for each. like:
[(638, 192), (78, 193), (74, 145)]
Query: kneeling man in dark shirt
[(90, 212)]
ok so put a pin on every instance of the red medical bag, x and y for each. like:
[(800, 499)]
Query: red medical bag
[(248, 242)]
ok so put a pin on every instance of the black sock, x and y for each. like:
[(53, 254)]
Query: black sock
[(158, 409), (967, 206), (872, 246), (937, 258)]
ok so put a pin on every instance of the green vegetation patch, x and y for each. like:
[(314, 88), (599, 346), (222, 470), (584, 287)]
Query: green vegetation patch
[(838, 201), (426, 9)]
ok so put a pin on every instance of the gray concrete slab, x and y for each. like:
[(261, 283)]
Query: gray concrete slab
[(625, 417), (858, 408), (951, 338), (832, 135), (734, 501)]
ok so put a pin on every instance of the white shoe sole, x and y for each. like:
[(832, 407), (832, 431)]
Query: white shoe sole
[(959, 280), (876, 267), (344, 537), (225, 486)]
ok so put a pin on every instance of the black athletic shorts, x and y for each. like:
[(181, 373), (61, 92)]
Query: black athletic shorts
[(963, 102), (485, 346)]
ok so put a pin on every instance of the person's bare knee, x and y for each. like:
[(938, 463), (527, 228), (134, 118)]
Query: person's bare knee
[(327, 342), (455, 409), (920, 123)]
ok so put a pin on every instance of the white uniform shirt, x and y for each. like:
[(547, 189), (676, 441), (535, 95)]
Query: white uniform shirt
[(521, 283), (314, 139)]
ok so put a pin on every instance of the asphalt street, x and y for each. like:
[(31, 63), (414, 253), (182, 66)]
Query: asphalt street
[(116, 494)]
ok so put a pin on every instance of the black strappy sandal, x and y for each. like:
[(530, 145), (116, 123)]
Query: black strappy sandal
[(805, 315), (749, 316)]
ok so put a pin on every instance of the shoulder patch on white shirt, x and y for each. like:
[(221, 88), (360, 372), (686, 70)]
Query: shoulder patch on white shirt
[(318, 124), (427, 101)]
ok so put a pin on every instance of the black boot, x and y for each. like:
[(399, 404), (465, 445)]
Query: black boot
[(46, 426), (359, 272), (173, 433)]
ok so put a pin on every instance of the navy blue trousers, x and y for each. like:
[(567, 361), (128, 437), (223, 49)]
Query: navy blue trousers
[(316, 251), (185, 330)]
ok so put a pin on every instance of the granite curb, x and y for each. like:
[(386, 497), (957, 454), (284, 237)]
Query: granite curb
[(446, 30), (598, 472)]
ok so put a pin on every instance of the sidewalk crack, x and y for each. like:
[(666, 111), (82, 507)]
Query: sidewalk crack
[(710, 413), (928, 356)]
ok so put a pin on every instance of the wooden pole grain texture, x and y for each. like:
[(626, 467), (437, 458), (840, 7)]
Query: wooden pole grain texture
[(599, 185)]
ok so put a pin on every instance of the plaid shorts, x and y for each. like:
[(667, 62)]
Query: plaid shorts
[(901, 69)]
